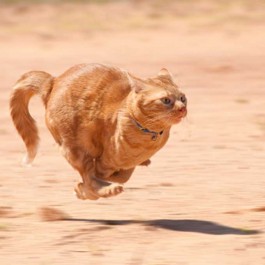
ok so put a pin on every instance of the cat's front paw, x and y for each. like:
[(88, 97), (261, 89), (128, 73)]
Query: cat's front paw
[(146, 163), (105, 189), (98, 189), (109, 191)]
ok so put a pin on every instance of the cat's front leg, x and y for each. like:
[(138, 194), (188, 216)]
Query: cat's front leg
[(121, 176), (97, 189), (93, 188), (101, 183)]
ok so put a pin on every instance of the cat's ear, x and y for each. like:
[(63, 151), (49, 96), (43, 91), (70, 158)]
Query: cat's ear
[(165, 73), (136, 85)]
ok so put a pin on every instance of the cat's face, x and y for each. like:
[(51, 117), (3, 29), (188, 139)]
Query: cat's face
[(160, 101)]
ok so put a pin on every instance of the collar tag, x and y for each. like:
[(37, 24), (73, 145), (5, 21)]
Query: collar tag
[(154, 136)]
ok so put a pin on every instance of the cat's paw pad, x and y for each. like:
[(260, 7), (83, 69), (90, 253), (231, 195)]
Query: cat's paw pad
[(84, 193), (109, 191), (146, 163)]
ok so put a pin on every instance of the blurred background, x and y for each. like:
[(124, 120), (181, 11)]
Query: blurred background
[(202, 199), (139, 34)]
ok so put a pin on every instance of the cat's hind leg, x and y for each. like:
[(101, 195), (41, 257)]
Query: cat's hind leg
[(91, 188), (84, 164)]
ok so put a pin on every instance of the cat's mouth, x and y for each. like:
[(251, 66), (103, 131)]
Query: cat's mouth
[(176, 120), (178, 115)]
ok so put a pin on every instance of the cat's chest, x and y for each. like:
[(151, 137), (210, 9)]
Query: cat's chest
[(131, 150)]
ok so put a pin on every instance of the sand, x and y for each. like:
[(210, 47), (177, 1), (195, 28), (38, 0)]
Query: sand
[(202, 199)]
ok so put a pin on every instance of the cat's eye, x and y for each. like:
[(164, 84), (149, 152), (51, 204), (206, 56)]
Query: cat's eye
[(183, 99), (166, 101)]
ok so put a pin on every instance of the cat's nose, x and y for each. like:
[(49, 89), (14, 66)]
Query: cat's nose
[(183, 110)]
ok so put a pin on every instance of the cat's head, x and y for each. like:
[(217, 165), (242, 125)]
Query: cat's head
[(157, 102)]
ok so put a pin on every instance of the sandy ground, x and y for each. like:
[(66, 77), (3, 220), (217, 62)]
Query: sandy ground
[(202, 200)]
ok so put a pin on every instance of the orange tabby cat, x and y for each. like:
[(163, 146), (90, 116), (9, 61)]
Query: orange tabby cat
[(106, 120)]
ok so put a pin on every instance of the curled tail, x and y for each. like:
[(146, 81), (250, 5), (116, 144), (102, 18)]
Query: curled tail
[(31, 83)]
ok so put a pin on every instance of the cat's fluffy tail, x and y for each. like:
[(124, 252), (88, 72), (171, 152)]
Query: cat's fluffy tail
[(31, 83)]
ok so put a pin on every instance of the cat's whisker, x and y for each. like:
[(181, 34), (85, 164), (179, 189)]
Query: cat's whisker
[(162, 117)]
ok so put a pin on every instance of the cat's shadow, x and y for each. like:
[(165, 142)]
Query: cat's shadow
[(184, 225)]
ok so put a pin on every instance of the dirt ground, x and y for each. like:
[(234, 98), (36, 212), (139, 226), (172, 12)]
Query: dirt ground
[(202, 200)]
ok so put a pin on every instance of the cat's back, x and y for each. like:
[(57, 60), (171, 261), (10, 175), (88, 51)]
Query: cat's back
[(96, 87), (93, 80)]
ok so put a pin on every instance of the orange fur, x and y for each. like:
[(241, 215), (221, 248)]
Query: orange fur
[(92, 111)]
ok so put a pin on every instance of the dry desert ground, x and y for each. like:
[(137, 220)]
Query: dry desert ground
[(202, 200)]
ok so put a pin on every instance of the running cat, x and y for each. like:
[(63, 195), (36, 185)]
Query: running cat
[(106, 120)]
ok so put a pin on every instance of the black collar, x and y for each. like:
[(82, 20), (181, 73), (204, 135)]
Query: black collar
[(145, 130)]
